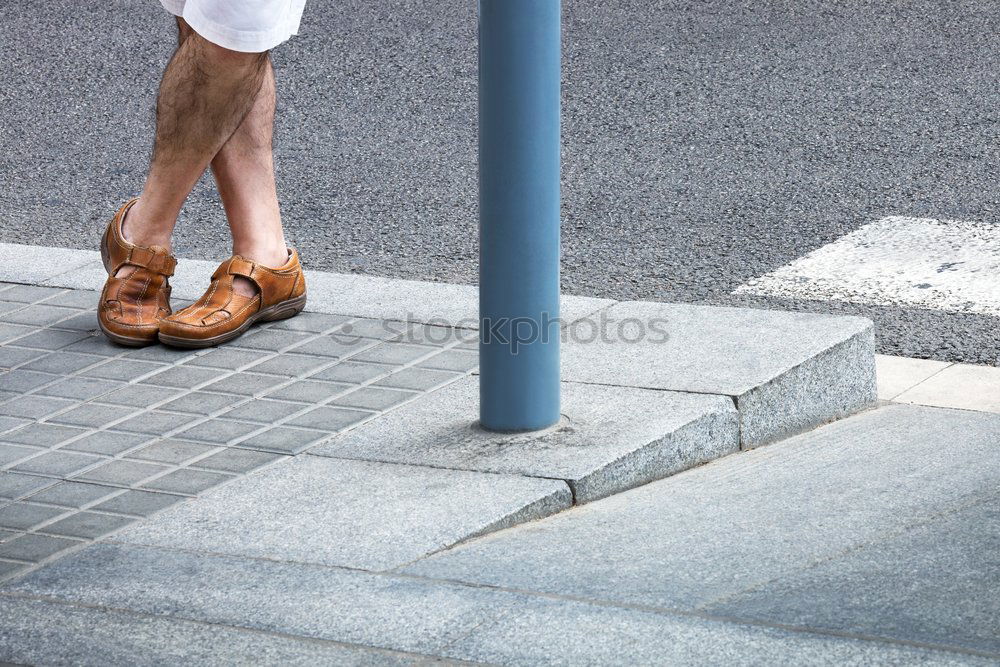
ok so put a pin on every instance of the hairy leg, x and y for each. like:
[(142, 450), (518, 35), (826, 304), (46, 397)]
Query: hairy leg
[(244, 174), (206, 93)]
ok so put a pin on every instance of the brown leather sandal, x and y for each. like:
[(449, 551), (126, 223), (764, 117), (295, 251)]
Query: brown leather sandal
[(131, 305), (221, 315)]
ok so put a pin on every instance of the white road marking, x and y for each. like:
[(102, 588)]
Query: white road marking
[(944, 265)]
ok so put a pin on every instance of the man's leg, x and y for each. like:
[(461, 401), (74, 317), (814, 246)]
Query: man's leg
[(205, 95), (244, 174)]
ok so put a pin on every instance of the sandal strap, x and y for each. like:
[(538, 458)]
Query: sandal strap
[(158, 262)]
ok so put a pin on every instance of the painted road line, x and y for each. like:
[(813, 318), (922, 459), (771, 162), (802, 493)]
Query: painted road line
[(946, 265)]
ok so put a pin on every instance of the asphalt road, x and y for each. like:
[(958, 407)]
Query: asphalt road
[(705, 142)]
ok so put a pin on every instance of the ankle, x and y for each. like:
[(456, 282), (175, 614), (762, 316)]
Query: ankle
[(271, 255), (138, 229)]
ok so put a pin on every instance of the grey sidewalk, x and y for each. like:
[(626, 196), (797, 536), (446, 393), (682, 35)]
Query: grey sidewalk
[(315, 492)]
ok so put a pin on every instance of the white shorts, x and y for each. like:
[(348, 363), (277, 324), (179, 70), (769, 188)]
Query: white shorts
[(251, 26)]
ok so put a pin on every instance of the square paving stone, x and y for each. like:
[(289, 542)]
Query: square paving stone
[(42, 435), (311, 322), (122, 473), (610, 438), (83, 322), (270, 340), (22, 516), (453, 360), (35, 548), (786, 371), (34, 407), (98, 345), (87, 525), (62, 363), (155, 422), (139, 503), (227, 358), (16, 485), (30, 293), (110, 443), (161, 354), (73, 494), (218, 431), (237, 461), (93, 415), (417, 379), (38, 315), (11, 454), (309, 391), (21, 381), (283, 440), (396, 354), (13, 332), (334, 346), (263, 411), (353, 372), (80, 388), (428, 334), (123, 369), (8, 568), (11, 423), (374, 398), (15, 356), (187, 481), (50, 339), (79, 299), (290, 365), (330, 419), (170, 451), (201, 402), (245, 384), (57, 463), (327, 506), (372, 328), (140, 395), (184, 377)]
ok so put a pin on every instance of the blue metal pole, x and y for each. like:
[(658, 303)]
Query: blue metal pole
[(519, 69)]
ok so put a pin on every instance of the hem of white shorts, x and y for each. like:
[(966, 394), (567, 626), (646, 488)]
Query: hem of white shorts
[(227, 38), (175, 7)]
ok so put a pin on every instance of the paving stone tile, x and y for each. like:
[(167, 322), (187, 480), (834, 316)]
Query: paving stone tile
[(126, 638), (327, 504), (140, 395), (80, 299), (395, 354), (82, 322), (13, 332), (22, 516), (30, 293), (34, 548), (453, 360), (57, 463), (87, 525), (110, 443), (16, 356), (155, 422), (218, 431), (16, 485), (417, 379), (226, 358), (309, 391), (353, 372), (237, 461), (21, 381), (270, 340), (81, 388), (93, 415), (245, 384), (170, 451), (201, 402), (38, 315), (98, 345), (311, 322), (334, 346), (51, 339), (161, 354), (372, 328), (122, 473), (263, 411), (42, 435), (139, 503), (123, 369), (187, 481), (11, 423), (374, 398), (184, 376), (330, 419), (8, 535), (62, 363), (73, 494), (427, 334), (34, 406), (11, 454), (283, 440), (290, 365), (7, 568)]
